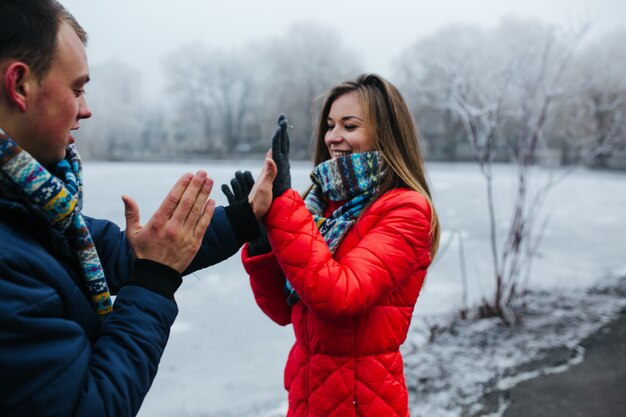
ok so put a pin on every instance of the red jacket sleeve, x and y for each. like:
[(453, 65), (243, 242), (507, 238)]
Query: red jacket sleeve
[(396, 245), (268, 285)]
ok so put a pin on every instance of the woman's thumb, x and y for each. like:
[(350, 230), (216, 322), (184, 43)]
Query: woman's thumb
[(270, 168)]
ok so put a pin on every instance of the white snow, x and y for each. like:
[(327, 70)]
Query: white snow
[(449, 376), (225, 358)]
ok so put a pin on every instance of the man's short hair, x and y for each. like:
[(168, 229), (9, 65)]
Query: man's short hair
[(28, 32)]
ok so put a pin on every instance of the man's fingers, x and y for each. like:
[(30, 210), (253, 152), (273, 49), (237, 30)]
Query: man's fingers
[(203, 222), (229, 194), (169, 204), (242, 183), (247, 175), (236, 189), (201, 201), (188, 198), (131, 212)]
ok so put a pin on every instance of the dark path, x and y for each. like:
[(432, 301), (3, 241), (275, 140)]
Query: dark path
[(594, 388)]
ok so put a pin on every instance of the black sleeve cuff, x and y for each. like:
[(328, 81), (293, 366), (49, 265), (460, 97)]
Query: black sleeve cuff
[(156, 277), (242, 220)]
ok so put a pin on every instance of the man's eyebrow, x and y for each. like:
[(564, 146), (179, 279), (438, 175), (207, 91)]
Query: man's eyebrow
[(82, 80)]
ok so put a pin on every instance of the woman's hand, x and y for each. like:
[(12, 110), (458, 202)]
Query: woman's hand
[(260, 196), (280, 155)]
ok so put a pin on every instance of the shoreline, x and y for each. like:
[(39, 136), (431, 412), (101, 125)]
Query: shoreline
[(475, 368), (594, 385)]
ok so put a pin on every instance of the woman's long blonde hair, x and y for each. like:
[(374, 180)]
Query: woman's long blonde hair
[(395, 137)]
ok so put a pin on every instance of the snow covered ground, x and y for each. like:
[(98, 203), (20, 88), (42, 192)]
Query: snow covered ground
[(225, 358), (448, 377)]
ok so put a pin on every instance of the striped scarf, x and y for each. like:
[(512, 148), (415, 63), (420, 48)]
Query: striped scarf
[(353, 179), (58, 198)]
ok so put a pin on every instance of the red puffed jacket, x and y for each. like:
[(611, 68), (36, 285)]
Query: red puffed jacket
[(355, 307)]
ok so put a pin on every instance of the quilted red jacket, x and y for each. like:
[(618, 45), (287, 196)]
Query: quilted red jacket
[(355, 307)]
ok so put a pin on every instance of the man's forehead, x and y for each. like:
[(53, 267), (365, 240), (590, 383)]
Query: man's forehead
[(71, 54)]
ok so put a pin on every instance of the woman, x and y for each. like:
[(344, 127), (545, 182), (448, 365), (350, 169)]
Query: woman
[(347, 262)]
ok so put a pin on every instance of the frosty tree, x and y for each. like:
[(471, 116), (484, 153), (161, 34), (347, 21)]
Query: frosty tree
[(236, 95), (296, 69), (215, 89), (506, 90)]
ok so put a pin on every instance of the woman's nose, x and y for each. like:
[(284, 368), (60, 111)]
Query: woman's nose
[(332, 136)]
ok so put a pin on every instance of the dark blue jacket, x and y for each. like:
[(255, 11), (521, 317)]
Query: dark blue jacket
[(57, 358)]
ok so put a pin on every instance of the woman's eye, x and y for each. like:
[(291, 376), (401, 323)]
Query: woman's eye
[(350, 127), (329, 127)]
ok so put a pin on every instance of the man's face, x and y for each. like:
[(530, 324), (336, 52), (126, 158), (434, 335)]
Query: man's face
[(57, 103)]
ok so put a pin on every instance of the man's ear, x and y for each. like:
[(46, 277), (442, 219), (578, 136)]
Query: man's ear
[(16, 84)]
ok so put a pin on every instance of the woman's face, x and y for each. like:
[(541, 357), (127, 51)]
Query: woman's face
[(347, 131)]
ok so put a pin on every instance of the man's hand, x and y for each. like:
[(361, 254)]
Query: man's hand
[(241, 185), (174, 233)]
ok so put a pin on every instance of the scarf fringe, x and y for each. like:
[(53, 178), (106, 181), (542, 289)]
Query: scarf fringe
[(59, 199), (354, 179)]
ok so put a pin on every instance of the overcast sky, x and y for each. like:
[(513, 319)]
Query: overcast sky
[(139, 32)]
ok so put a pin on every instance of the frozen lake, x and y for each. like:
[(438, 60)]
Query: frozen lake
[(225, 358)]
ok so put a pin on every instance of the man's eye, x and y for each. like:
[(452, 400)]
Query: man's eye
[(79, 92)]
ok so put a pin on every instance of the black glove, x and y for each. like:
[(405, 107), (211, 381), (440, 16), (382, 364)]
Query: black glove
[(280, 155), (242, 184)]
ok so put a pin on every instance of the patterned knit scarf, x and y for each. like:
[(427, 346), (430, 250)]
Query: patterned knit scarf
[(58, 198), (353, 179)]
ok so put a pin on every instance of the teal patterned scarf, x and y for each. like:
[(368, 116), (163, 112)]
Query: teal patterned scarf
[(353, 179), (58, 198)]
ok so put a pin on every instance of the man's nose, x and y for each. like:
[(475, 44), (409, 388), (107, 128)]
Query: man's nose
[(84, 112)]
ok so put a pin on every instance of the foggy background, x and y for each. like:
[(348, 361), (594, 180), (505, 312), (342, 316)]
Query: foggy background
[(207, 79), (198, 84)]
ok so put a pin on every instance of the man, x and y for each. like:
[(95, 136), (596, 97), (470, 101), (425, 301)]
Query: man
[(65, 348)]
